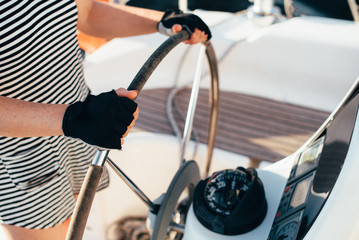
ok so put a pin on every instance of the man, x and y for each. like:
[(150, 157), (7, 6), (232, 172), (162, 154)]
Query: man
[(49, 121)]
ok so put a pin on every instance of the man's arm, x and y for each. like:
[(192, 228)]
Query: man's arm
[(20, 118), (112, 21), (109, 21), (26, 119)]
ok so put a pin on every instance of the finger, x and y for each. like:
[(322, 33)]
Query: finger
[(203, 37), (121, 92), (197, 37), (135, 117), (131, 125), (194, 37), (122, 141), (129, 129), (136, 113), (126, 133), (176, 28)]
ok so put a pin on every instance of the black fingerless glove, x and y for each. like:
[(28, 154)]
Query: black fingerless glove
[(191, 21), (99, 120)]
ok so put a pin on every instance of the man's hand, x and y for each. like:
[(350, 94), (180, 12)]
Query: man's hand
[(197, 36), (173, 21), (103, 120)]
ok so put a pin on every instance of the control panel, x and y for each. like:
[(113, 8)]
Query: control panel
[(314, 175), (291, 209)]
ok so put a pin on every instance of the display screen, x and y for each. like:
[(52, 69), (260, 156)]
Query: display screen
[(309, 158), (300, 192), (288, 229)]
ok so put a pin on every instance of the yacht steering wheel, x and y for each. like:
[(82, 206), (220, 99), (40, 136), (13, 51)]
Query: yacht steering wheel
[(186, 177)]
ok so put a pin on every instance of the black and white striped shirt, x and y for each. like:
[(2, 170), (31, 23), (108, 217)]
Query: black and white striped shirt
[(40, 61)]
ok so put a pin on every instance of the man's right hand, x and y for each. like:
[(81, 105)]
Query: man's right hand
[(102, 120)]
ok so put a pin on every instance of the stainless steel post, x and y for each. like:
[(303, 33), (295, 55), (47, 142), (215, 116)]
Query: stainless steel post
[(192, 104)]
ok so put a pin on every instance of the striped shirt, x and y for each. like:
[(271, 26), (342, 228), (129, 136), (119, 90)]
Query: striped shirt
[(40, 61)]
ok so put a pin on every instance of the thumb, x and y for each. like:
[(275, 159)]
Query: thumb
[(176, 28), (121, 92)]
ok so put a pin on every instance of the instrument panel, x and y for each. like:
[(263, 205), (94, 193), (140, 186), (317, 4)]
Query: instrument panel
[(292, 205), (313, 175)]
